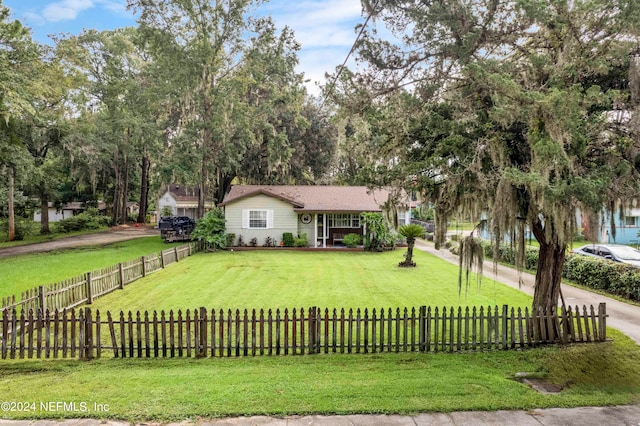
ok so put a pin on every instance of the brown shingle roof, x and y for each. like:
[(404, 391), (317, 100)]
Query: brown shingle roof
[(183, 192), (334, 199)]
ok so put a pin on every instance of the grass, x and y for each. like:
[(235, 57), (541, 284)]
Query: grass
[(33, 239), (288, 279), (178, 389), (20, 273)]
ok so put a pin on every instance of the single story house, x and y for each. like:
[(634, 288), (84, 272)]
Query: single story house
[(65, 211), (181, 200), (324, 213)]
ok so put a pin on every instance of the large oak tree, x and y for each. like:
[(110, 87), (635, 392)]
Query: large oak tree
[(508, 111)]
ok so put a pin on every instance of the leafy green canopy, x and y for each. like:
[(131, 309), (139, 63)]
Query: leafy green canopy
[(511, 110), (211, 229)]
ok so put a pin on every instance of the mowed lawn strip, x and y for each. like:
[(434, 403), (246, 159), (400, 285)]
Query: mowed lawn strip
[(20, 273), (177, 389), (275, 279)]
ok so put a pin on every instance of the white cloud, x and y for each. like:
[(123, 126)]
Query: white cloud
[(324, 29), (318, 23), (116, 6), (66, 10), (34, 18)]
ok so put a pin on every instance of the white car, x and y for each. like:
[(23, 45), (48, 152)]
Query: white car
[(615, 252)]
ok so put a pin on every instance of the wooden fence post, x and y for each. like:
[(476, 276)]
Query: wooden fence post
[(5, 333), (88, 285), (42, 302), (422, 327), (87, 344), (312, 331), (602, 321), (121, 275), (505, 326), (162, 259), (175, 250), (202, 334), (143, 260)]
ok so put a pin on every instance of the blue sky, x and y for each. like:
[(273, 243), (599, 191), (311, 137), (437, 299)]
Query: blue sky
[(324, 28)]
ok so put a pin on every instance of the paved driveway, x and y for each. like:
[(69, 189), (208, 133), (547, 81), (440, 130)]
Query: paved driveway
[(622, 316)]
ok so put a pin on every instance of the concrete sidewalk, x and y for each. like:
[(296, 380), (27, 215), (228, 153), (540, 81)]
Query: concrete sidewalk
[(585, 416), (621, 316)]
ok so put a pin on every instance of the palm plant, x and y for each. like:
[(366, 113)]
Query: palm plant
[(410, 232)]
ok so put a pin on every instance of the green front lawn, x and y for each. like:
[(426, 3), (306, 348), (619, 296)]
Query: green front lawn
[(20, 273), (273, 279), (178, 389)]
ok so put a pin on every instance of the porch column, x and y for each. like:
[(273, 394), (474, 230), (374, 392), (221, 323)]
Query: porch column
[(325, 231), (315, 229)]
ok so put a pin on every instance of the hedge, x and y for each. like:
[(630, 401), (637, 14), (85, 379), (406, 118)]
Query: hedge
[(615, 278)]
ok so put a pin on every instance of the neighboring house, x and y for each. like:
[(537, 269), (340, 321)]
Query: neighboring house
[(182, 200), (73, 208), (324, 213), (627, 226), (66, 211)]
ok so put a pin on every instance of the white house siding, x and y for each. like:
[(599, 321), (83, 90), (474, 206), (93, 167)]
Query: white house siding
[(168, 200), (284, 219), (308, 229), (54, 215)]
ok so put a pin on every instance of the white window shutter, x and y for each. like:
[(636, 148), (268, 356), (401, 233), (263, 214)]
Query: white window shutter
[(269, 219), (245, 219)]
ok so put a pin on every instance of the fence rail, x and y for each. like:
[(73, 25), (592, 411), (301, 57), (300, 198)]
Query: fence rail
[(225, 333), (85, 288)]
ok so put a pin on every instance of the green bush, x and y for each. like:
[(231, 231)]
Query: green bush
[(300, 241), (211, 229), (23, 228), (615, 278), (352, 240), (507, 254), (612, 277), (287, 239), (87, 220)]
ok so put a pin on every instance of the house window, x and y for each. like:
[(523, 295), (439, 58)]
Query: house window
[(344, 220), (631, 220), (257, 219)]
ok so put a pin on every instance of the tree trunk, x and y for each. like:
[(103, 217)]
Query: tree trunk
[(548, 276), (116, 190), (549, 273), (144, 189), (44, 217), (223, 184), (410, 245), (202, 192), (124, 211), (12, 214), (408, 261)]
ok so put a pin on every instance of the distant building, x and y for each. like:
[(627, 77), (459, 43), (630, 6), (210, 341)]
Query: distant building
[(182, 200), (74, 208)]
